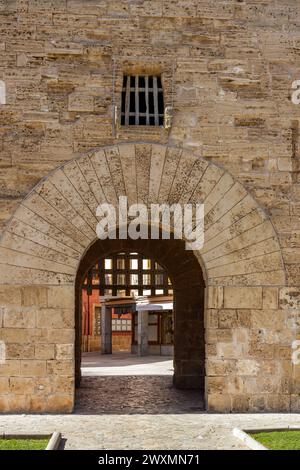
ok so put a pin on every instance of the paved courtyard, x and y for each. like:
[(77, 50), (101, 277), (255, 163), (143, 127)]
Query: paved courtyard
[(126, 384), (139, 409)]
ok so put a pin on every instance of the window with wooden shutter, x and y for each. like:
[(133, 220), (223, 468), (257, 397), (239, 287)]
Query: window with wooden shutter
[(142, 101)]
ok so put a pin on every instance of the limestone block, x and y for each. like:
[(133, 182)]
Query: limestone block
[(31, 261), (228, 350), (44, 351), (60, 367), (64, 351), (55, 318), (295, 403), (244, 318), (184, 170), (10, 295), (285, 164), (219, 367), (143, 162), (45, 210), (270, 297), (34, 296), (72, 49), (241, 336), (229, 254), (89, 7), (14, 403), (158, 155), (211, 318), (235, 385), (33, 368), (227, 318), (57, 403), (37, 404), (19, 318), (22, 385), (278, 403), (258, 403), (248, 367), (60, 297), (270, 319), (77, 177), (216, 384), (245, 230), (10, 368), (215, 297), (211, 350), (101, 168), (80, 102), (60, 335), (224, 335), (22, 59), (235, 195), (242, 297), (219, 402), (13, 335), (240, 403), (198, 170), (19, 351), (262, 350), (114, 163), (260, 264), (4, 385), (289, 298), (217, 193), (172, 159), (64, 385), (42, 386), (59, 191), (129, 171)]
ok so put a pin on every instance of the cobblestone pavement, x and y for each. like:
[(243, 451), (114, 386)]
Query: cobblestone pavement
[(141, 412), (135, 395), (126, 384)]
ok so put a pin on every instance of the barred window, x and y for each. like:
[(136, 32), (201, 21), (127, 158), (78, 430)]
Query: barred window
[(142, 101), (125, 274)]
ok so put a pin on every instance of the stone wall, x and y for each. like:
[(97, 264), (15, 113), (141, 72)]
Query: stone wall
[(249, 336), (227, 68), (37, 327), (241, 261)]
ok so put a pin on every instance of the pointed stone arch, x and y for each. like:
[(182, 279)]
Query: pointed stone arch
[(54, 226)]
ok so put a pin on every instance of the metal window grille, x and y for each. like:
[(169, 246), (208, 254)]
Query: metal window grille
[(142, 101)]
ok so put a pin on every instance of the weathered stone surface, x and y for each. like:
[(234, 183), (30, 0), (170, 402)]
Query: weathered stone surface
[(238, 297), (55, 318), (44, 351), (233, 145)]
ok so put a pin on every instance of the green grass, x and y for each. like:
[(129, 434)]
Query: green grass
[(23, 444), (279, 440)]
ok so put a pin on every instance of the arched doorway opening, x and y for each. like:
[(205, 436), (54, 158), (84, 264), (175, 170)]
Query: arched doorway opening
[(185, 284), (125, 289), (245, 273)]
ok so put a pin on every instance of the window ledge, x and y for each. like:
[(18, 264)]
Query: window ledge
[(157, 132)]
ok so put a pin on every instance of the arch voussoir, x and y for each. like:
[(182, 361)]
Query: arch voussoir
[(54, 228)]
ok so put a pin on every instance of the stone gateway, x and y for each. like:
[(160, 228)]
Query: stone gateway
[(161, 102)]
